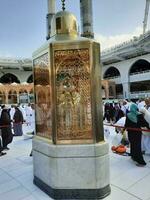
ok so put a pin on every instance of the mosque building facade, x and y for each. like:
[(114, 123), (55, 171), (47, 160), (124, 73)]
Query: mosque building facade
[(16, 81), (125, 73), (125, 68), (128, 65)]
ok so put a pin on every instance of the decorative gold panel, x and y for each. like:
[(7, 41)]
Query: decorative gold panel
[(73, 100), (42, 89)]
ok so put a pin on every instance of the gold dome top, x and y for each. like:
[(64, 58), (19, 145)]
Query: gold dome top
[(65, 23)]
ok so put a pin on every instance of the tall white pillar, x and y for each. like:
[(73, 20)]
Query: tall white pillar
[(126, 90), (86, 15), (51, 13)]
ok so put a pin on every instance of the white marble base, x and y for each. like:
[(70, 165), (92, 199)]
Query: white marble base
[(71, 166)]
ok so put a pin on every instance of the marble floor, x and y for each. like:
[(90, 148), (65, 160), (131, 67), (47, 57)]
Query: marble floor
[(128, 181)]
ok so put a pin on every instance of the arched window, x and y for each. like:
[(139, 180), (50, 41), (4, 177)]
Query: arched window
[(111, 72), (139, 66), (30, 79), (9, 78)]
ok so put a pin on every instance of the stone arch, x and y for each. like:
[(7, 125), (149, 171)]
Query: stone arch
[(12, 97), (9, 78), (30, 79), (111, 72), (139, 66), (23, 91)]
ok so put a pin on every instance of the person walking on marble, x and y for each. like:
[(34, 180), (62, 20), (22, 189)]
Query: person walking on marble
[(135, 119), (145, 134), (6, 132), (17, 122), (1, 147)]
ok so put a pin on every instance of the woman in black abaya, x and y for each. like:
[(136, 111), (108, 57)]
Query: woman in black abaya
[(135, 120), (6, 132)]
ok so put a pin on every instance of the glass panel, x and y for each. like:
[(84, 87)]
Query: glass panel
[(42, 96), (73, 109)]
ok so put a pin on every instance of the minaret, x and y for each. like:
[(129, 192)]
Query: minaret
[(146, 16), (51, 13), (86, 15)]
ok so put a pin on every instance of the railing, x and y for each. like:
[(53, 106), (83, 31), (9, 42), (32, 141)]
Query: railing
[(113, 77), (126, 43), (140, 92), (140, 72), (137, 95), (119, 96)]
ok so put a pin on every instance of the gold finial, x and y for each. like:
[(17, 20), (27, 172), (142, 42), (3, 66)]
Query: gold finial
[(63, 5)]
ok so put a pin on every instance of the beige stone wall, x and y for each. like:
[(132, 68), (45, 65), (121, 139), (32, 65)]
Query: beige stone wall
[(9, 93)]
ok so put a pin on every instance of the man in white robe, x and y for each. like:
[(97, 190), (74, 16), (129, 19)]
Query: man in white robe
[(146, 135)]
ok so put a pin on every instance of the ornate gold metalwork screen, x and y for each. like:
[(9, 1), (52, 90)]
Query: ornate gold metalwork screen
[(43, 102), (73, 100)]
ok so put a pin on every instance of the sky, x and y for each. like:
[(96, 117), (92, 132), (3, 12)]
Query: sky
[(23, 23)]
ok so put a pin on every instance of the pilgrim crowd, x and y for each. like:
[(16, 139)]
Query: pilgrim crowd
[(130, 119), (11, 121), (132, 122)]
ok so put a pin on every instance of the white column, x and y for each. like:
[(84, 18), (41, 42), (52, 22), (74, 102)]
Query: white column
[(126, 90), (51, 13), (86, 18), (51, 6)]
